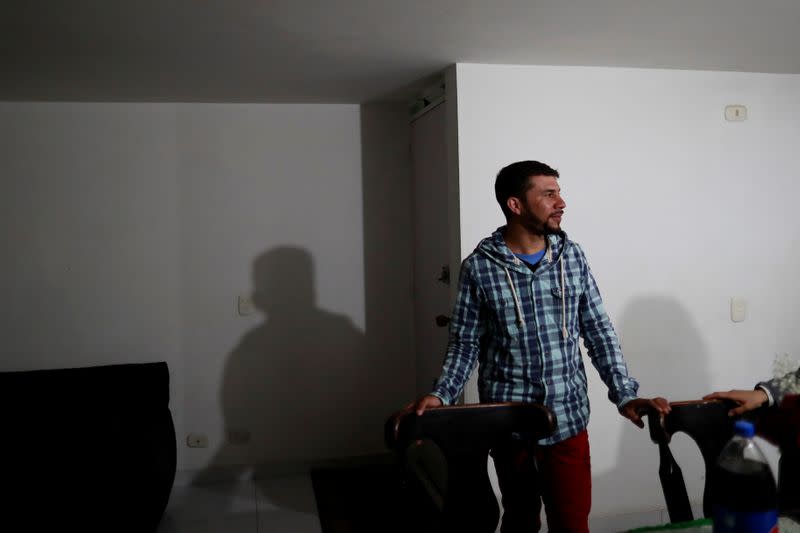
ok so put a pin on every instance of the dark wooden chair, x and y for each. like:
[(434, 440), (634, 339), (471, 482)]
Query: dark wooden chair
[(708, 424), (444, 455)]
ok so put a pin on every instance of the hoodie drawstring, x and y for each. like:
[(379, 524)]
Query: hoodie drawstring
[(549, 254), (563, 300), (520, 322)]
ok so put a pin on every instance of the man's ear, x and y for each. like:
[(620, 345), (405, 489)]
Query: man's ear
[(514, 205)]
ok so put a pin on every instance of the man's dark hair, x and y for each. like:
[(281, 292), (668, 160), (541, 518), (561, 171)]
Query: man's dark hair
[(513, 181)]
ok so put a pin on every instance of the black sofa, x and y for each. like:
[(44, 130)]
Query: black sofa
[(90, 447)]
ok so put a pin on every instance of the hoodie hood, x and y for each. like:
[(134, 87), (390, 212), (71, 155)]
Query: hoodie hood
[(495, 249)]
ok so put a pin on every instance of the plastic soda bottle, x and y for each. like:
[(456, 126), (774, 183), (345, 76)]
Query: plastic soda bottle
[(746, 493)]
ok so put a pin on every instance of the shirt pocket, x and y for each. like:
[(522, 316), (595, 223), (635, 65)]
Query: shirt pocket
[(506, 322), (573, 290)]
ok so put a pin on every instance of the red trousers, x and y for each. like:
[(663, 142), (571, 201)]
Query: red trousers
[(558, 475)]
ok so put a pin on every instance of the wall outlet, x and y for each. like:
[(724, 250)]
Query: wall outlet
[(238, 436), (197, 440), (735, 113)]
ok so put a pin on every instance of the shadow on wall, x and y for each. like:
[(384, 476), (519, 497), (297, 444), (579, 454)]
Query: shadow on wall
[(291, 387), (306, 383), (666, 354)]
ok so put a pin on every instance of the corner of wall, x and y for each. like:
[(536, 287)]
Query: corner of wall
[(453, 198)]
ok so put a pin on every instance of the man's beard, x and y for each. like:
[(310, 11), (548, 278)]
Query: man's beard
[(535, 225)]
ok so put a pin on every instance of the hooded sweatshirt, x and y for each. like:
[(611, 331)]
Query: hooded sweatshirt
[(781, 386), (523, 328)]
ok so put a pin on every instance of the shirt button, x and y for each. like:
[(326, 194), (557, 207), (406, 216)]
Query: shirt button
[(542, 328), (538, 301)]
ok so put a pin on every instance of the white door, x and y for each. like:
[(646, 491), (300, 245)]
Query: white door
[(431, 243)]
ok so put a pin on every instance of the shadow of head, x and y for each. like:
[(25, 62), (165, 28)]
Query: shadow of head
[(664, 348), (283, 280)]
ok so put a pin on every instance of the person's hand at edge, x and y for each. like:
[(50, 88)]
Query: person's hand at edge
[(747, 400), (429, 400), (634, 409)]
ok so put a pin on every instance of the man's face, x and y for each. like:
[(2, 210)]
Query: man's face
[(541, 208)]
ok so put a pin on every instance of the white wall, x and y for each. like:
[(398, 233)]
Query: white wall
[(677, 210), (130, 229)]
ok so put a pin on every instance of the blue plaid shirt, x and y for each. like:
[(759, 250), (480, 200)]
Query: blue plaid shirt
[(525, 340)]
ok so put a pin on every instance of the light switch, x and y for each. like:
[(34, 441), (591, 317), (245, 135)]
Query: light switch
[(738, 309), (245, 305)]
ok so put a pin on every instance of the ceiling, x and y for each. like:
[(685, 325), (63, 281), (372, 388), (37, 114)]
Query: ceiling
[(362, 50)]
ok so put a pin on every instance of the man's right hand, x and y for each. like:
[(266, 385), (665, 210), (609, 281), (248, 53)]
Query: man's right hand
[(426, 401)]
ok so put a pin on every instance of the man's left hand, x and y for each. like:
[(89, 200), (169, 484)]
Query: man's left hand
[(634, 409)]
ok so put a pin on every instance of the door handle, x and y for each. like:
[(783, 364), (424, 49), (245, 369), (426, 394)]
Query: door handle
[(442, 320), (444, 275)]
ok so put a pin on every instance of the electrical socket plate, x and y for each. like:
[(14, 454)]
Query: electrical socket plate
[(197, 440), (735, 113)]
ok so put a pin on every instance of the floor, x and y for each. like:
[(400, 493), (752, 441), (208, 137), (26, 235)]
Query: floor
[(287, 505), (275, 506)]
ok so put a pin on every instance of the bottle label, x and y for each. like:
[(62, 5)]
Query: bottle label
[(726, 521)]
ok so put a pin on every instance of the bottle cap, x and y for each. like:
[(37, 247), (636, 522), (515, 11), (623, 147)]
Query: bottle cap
[(744, 428)]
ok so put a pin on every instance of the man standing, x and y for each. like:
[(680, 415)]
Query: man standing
[(526, 295)]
